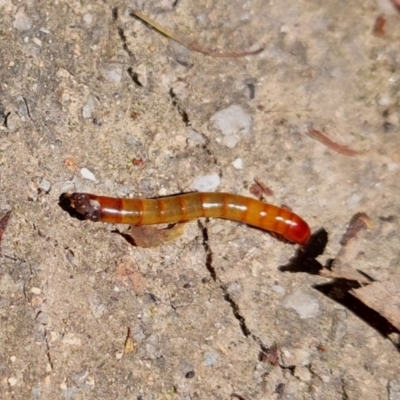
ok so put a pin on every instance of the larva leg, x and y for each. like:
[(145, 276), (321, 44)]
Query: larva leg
[(149, 236)]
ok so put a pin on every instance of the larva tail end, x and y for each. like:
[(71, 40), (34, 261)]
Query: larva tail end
[(299, 232)]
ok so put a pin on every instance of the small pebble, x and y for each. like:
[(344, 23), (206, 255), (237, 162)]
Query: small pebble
[(37, 41), (112, 72), (392, 167), (234, 289), (210, 358), (21, 21), (196, 137), (45, 186), (36, 290), (13, 122), (238, 163), (140, 75), (88, 174), (384, 100), (42, 318), (233, 122), (98, 309), (90, 381), (304, 304), (302, 373), (13, 359), (12, 381), (206, 183), (298, 357), (88, 108), (88, 18)]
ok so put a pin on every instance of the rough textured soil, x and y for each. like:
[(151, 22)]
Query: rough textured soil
[(86, 85)]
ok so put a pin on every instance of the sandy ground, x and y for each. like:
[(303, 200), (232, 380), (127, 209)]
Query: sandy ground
[(85, 85)]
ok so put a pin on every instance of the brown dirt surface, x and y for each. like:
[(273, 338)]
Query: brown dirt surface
[(94, 100)]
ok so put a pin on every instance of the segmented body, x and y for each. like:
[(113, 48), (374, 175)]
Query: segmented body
[(189, 206)]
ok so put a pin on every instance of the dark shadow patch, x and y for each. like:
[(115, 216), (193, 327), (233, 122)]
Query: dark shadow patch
[(134, 76), (304, 259), (338, 291)]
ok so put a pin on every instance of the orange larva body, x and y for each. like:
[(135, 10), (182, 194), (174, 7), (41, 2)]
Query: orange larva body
[(189, 206)]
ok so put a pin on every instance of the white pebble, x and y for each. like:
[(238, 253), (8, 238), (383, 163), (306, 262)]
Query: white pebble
[(35, 290), (88, 174), (238, 163), (298, 357), (384, 100), (232, 121), (45, 185), (230, 141), (12, 381), (112, 72), (302, 373), (13, 359), (37, 41), (206, 183), (88, 18), (325, 378), (304, 304), (196, 137), (21, 21), (90, 381), (392, 167), (88, 108)]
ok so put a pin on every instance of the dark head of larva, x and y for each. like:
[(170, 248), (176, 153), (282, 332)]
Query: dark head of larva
[(85, 206)]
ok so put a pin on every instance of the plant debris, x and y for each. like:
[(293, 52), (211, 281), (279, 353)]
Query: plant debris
[(185, 41), (339, 148)]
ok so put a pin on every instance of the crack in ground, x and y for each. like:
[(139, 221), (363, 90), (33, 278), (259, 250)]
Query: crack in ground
[(48, 353), (227, 297), (175, 102), (345, 396), (121, 33)]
